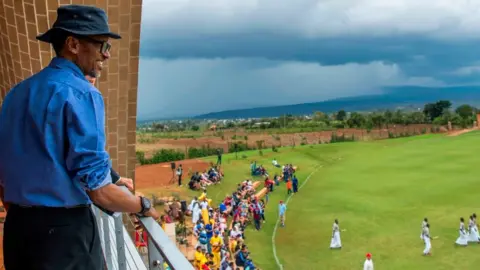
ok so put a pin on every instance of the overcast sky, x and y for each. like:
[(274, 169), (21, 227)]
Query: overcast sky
[(196, 53)]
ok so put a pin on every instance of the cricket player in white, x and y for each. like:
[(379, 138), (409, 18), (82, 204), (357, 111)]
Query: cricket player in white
[(475, 223), (427, 239), (336, 241), (462, 240), (424, 223), (472, 231), (368, 264)]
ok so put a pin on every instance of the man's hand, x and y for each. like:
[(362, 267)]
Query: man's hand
[(125, 182), (152, 213)]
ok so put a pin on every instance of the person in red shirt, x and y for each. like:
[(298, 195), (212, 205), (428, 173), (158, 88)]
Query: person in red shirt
[(289, 187), (269, 183)]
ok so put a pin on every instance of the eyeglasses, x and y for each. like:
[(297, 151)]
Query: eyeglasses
[(105, 46)]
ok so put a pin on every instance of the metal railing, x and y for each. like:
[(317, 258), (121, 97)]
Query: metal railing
[(120, 252)]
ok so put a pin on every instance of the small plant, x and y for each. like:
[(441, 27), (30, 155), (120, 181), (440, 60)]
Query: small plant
[(260, 144), (176, 195), (304, 140)]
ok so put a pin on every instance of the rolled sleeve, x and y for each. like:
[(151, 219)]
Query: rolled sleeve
[(87, 159)]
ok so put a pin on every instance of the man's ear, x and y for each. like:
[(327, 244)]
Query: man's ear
[(73, 45)]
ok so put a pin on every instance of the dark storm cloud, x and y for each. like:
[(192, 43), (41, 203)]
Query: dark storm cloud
[(419, 55), (265, 52)]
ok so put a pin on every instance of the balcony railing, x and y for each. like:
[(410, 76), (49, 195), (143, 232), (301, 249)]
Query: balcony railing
[(120, 252)]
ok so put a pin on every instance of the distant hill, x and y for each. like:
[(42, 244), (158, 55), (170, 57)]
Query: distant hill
[(410, 97)]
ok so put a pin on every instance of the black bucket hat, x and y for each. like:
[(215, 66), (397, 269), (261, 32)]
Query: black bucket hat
[(79, 20)]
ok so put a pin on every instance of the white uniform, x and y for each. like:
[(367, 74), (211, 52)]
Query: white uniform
[(426, 239), (473, 232), (336, 241), (368, 265), (204, 205), (196, 212), (462, 240), (475, 225), (423, 226)]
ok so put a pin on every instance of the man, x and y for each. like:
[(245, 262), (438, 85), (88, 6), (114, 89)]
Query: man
[(295, 184), (53, 125), (116, 178), (225, 264), (427, 239), (219, 157), (275, 163), (282, 209), (179, 175), (216, 243), (368, 264)]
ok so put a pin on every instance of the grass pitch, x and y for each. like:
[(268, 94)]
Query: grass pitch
[(380, 192)]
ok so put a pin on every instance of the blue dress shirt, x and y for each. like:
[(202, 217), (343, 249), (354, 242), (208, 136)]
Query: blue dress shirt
[(52, 139)]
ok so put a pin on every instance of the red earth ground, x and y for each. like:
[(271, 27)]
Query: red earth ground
[(160, 175), (462, 131)]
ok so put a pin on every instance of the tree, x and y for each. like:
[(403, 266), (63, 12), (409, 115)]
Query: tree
[(465, 111), (341, 115), (434, 110), (356, 120), (388, 117), (398, 118), (378, 119), (320, 116), (415, 118), (195, 128), (451, 117)]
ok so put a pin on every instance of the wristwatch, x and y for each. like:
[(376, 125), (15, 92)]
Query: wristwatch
[(146, 205)]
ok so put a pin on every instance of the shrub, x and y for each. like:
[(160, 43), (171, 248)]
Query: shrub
[(203, 151), (140, 157), (341, 138), (239, 147), (164, 155)]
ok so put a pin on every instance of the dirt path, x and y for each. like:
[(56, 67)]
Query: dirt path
[(460, 132)]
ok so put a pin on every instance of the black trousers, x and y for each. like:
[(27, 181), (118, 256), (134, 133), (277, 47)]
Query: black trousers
[(38, 238), (180, 180)]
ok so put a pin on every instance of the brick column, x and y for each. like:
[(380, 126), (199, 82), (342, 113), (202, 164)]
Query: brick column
[(21, 55)]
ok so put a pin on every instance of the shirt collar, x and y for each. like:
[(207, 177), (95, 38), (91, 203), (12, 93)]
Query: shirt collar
[(62, 63)]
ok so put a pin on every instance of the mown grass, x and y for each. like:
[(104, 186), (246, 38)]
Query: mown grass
[(380, 191)]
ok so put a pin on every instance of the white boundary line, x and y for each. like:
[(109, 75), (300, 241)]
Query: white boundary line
[(280, 266)]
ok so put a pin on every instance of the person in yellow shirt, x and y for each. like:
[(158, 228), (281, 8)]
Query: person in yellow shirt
[(204, 211), (216, 242), (204, 197), (232, 245), (199, 258)]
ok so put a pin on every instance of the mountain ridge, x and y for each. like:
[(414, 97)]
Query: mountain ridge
[(393, 98)]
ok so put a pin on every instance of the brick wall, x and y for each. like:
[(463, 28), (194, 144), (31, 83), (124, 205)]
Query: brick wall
[(21, 55)]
